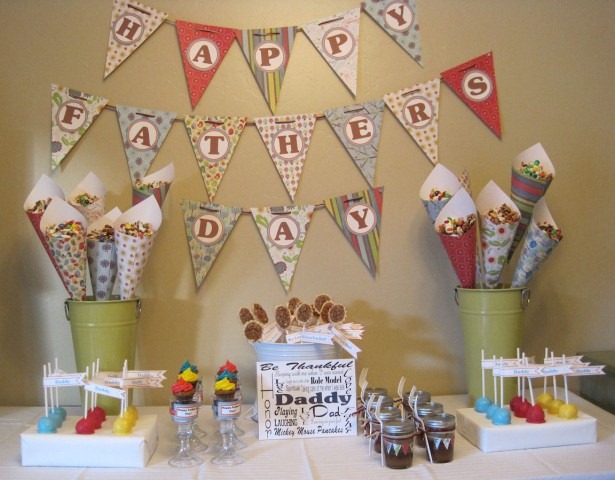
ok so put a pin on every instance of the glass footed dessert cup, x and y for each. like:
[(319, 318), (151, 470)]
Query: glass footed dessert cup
[(198, 398), (184, 414), (227, 454)]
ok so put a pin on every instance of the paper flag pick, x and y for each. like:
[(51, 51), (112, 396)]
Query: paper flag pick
[(88, 197), (337, 39), (72, 113), (358, 216), (143, 132), (416, 108), (102, 255), (203, 48), (213, 140), (474, 83), (283, 230), (400, 20), (208, 226), (131, 25), (437, 189), (287, 138), (156, 185), (358, 128), (267, 50)]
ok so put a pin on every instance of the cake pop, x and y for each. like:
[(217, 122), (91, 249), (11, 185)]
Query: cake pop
[(568, 411), (85, 426), (122, 426), (535, 414), (501, 416), (46, 425), (544, 400), (554, 406)]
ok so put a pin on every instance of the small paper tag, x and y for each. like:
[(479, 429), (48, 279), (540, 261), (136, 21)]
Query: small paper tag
[(271, 333), (310, 337), (346, 344), (185, 410), (229, 409)]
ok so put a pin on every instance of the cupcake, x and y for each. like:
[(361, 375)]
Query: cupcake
[(183, 391), (224, 389)]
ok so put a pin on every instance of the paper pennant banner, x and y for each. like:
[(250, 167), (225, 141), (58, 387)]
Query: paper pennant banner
[(337, 39), (358, 128), (203, 48), (208, 226), (131, 25), (416, 108), (358, 216), (267, 51), (213, 140), (143, 132), (156, 185), (474, 83), (400, 20), (283, 230), (72, 113), (287, 138)]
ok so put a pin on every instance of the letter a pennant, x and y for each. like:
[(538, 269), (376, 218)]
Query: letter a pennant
[(283, 230), (474, 83), (143, 132), (358, 128), (416, 108), (267, 50), (213, 141), (131, 25), (72, 113), (337, 39), (203, 47), (208, 226), (287, 138), (358, 216)]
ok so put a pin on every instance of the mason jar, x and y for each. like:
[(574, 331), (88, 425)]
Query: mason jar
[(386, 415), (440, 428), (398, 441), (369, 414), (421, 396), (422, 410)]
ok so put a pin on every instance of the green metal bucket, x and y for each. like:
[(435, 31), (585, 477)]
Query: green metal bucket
[(104, 330), (492, 321)]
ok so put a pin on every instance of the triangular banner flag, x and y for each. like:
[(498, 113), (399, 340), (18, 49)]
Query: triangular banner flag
[(72, 113), (416, 108), (143, 132), (267, 50), (358, 128), (283, 230), (213, 141), (358, 215), (400, 20), (208, 226), (131, 25), (203, 47), (287, 138), (474, 82), (337, 40)]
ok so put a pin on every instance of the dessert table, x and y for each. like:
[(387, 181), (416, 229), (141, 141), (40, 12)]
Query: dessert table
[(326, 458)]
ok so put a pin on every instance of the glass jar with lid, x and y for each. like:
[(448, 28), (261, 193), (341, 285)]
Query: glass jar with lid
[(387, 414), (422, 410), (369, 414), (421, 396), (440, 428), (397, 443)]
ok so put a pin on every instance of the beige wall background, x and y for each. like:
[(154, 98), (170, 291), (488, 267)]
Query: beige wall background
[(554, 68)]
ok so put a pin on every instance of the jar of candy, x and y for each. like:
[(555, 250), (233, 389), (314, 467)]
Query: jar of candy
[(440, 428), (386, 415), (421, 396), (422, 410), (398, 440)]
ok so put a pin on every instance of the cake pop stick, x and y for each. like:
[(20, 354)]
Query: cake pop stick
[(544, 386), (501, 385), (554, 379), (495, 384), (529, 382), (482, 370), (518, 384), (565, 381), (45, 390), (85, 401)]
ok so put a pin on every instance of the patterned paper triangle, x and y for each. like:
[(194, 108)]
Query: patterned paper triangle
[(283, 230), (131, 25), (72, 113), (416, 108), (267, 50), (287, 138), (337, 39), (474, 83), (213, 140), (143, 132), (203, 48), (208, 226), (358, 128), (358, 216), (400, 20)]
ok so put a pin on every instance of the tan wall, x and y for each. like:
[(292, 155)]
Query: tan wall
[(554, 68)]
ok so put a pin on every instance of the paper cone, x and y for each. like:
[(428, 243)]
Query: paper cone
[(94, 188), (461, 250), (102, 257), (157, 185), (133, 252), (69, 253), (444, 184), (537, 246)]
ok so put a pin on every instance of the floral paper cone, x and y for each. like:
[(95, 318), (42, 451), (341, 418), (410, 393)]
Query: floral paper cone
[(102, 257), (438, 188), (157, 185), (89, 198)]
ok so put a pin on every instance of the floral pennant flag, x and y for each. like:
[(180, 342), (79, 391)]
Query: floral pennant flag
[(283, 230), (213, 140), (287, 138), (400, 20), (358, 215), (72, 113), (358, 128), (203, 47), (143, 132), (416, 108), (337, 39), (267, 50), (131, 25), (474, 83), (208, 226)]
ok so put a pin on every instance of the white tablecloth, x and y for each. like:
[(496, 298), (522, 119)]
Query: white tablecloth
[(326, 458)]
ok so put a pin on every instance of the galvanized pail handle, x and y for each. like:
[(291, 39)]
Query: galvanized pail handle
[(525, 297)]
